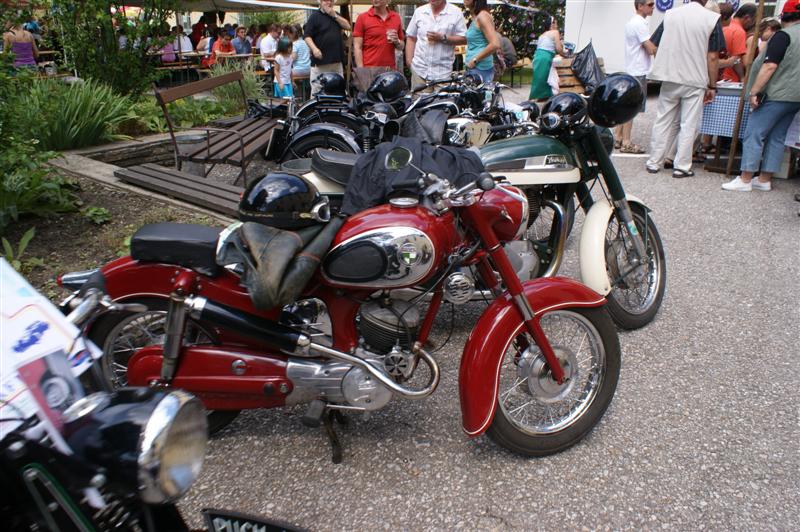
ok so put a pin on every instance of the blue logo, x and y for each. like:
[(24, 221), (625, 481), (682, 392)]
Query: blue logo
[(33, 333), (663, 5)]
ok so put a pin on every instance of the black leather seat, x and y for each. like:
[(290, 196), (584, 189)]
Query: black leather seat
[(189, 245), (334, 165)]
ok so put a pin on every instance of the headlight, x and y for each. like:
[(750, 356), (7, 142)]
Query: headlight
[(172, 447), (148, 441)]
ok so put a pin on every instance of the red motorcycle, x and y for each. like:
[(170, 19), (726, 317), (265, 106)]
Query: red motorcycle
[(537, 372)]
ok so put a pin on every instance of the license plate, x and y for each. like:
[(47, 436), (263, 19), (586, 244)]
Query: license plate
[(227, 521)]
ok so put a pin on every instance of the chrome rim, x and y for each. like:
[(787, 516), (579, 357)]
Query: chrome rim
[(529, 397), (637, 291), (135, 332)]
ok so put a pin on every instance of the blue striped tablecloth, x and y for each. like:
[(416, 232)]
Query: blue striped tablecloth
[(719, 117)]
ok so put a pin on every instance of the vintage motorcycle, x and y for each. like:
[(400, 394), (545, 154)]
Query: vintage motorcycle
[(537, 372), (621, 254), (107, 461), (565, 160)]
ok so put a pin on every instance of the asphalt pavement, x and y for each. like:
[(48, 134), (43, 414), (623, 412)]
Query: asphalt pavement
[(703, 432)]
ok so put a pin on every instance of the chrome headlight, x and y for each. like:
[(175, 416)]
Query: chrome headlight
[(145, 440), (172, 447)]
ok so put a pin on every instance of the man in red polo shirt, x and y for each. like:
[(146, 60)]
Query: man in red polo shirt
[(736, 41), (377, 34)]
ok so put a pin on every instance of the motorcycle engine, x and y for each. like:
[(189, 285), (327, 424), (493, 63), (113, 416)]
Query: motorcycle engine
[(388, 322)]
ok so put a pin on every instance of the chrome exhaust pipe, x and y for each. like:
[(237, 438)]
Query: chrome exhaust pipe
[(382, 377)]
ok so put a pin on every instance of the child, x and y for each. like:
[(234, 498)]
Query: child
[(283, 70)]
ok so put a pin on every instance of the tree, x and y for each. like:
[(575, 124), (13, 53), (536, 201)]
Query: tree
[(102, 43), (522, 26)]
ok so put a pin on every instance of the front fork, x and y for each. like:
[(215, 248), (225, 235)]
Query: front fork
[(618, 198), (514, 286)]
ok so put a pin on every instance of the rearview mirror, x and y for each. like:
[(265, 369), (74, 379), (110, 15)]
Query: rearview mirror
[(398, 158)]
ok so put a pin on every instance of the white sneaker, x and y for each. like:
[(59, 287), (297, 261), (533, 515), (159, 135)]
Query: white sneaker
[(738, 185), (758, 185)]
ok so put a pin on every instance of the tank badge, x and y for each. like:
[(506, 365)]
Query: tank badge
[(409, 254)]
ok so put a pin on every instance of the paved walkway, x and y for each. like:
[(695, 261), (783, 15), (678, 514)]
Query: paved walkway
[(703, 432)]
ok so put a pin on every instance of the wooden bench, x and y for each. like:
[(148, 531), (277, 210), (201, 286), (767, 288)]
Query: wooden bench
[(235, 145), (218, 197)]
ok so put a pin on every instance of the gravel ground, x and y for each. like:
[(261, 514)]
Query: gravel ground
[(702, 434)]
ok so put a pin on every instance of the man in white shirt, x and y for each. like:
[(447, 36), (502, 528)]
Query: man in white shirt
[(688, 41), (269, 45), (638, 59), (434, 31), (182, 42)]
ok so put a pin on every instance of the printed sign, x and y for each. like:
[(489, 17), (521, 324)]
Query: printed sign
[(664, 5)]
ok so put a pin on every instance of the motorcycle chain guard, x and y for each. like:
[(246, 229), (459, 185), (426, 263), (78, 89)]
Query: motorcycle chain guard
[(224, 379)]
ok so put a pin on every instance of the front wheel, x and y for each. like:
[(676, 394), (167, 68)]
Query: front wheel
[(535, 416), (636, 294)]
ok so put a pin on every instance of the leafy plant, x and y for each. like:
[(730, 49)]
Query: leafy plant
[(522, 27), (230, 95), (65, 117), (97, 215), (190, 112), (14, 257), (271, 17), (28, 185), (108, 47)]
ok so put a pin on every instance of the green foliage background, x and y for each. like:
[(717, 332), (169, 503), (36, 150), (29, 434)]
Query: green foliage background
[(92, 45), (522, 26)]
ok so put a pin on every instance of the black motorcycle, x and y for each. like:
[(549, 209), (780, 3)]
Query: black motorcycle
[(116, 461)]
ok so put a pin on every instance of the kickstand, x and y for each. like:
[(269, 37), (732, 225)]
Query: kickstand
[(336, 446)]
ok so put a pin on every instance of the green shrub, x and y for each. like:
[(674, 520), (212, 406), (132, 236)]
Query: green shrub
[(28, 185), (92, 42), (65, 117), (230, 95), (191, 112)]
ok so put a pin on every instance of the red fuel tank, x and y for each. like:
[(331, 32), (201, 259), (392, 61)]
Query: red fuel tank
[(390, 246)]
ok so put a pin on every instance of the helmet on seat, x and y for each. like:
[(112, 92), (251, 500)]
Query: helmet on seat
[(285, 201), (616, 100), (331, 83), (561, 112), (387, 87)]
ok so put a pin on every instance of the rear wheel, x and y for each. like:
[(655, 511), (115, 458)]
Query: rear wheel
[(121, 334), (536, 416), (635, 295), (305, 147)]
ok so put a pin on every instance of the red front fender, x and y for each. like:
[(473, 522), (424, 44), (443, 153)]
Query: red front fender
[(480, 363)]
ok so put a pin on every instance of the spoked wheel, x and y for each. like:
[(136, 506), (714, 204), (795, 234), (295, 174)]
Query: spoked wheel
[(304, 148), (121, 334), (636, 294), (535, 415)]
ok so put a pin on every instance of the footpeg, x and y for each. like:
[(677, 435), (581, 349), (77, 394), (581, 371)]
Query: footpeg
[(313, 416)]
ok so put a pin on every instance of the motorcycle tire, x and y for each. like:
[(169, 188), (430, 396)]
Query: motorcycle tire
[(626, 312), (110, 325), (303, 148), (332, 117), (567, 412)]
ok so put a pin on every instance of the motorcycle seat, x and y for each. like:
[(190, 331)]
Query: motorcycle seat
[(189, 245), (334, 165)]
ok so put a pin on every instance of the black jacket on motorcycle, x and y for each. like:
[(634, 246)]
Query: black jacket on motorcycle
[(371, 184)]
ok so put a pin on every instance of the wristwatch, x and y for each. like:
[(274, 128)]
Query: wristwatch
[(444, 40)]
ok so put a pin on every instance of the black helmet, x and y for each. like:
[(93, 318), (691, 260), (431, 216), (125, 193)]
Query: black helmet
[(615, 100), (283, 200), (331, 83), (562, 111), (387, 87), (531, 108)]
